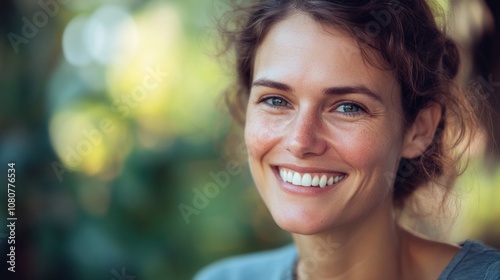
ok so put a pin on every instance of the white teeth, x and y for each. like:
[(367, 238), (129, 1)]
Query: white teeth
[(283, 174), (330, 181), (337, 179), (322, 181), (296, 179), (315, 181), (306, 180)]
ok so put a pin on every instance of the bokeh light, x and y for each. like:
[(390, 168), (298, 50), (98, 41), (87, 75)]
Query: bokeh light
[(91, 140)]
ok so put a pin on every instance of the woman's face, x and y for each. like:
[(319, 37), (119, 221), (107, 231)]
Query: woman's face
[(323, 128)]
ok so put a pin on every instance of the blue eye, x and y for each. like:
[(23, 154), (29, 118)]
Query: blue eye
[(277, 102), (350, 109)]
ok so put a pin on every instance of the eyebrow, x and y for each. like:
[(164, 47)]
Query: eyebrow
[(361, 89), (272, 84)]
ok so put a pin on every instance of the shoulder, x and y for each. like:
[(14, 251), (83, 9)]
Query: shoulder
[(273, 264), (474, 261)]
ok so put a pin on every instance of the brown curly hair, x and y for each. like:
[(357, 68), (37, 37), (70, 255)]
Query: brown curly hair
[(408, 41)]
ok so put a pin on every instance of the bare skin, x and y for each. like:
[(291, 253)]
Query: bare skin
[(391, 253), (317, 108)]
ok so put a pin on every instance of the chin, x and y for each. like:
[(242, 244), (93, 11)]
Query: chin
[(300, 228), (300, 223)]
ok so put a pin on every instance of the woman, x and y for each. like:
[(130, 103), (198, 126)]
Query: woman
[(351, 106)]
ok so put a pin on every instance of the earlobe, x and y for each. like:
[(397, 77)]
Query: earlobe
[(421, 133)]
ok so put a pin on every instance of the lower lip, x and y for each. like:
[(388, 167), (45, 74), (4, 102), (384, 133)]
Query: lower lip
[(308, 191)]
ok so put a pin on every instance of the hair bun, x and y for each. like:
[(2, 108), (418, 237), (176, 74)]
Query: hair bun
[(450, 58)]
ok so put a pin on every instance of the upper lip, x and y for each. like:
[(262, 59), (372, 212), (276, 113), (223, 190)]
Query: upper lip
[(302, 169)]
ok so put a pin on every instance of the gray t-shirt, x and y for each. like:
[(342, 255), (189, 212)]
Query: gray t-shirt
[(474, 261)]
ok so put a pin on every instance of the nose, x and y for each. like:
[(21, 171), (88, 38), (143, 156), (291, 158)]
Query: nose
[(304, 135)]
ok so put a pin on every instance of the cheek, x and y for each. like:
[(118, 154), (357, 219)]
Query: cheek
[(261, 138), (254, 147), (370, 148), (261, 135)]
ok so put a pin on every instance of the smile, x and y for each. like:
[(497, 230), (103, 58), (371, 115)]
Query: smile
[(309, 179)]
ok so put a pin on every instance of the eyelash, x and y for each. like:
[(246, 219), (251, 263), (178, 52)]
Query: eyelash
[(267, 100), (361, 109)]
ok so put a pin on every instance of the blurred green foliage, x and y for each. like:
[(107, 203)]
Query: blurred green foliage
[(104, 165)]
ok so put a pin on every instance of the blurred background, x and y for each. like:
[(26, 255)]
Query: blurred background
[(112, 113)]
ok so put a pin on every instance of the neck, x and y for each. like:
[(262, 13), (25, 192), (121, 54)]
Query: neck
[(368, 249)]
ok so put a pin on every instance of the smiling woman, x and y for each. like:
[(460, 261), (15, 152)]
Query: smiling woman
[(340, 99), (322, 114)]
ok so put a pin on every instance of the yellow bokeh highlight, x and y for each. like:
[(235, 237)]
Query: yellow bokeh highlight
[(479, 192), (90, 139), (169, 86), (140, 86)]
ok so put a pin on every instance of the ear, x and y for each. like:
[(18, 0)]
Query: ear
[(421, 133)]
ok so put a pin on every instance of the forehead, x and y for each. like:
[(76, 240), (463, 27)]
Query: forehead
[(300, 51)]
